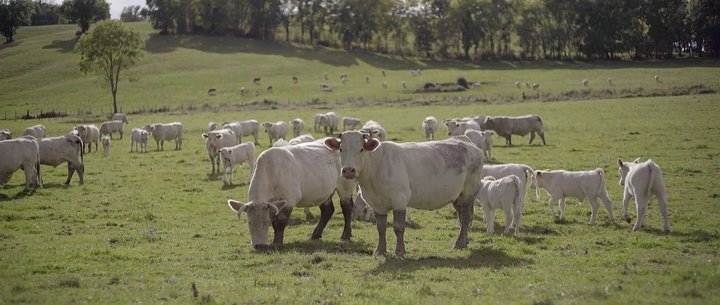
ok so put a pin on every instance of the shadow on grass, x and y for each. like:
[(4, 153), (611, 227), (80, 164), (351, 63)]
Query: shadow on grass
[(694, 236), (4, 45), (230, 186), (20, 195), (484, 257), (314, 246), (63, 46)]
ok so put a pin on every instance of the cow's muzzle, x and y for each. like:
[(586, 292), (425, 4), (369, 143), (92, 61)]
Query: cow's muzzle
[(349, 173)]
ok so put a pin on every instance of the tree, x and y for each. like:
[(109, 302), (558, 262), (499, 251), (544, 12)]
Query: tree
[(131, 13), (13, 14), (108, 49), (85, 11), (45, 13), (163, 14)]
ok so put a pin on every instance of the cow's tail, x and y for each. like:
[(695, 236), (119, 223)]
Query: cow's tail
[(601, 187), (530, 178), (651, 180), (37, 166), (519, 195)]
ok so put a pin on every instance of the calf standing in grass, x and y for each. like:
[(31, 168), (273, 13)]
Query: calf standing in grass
[(508, 194), (429, 125), (237, 154), (214, 141), (642, 180), (106, 146), (582, 184), (138, 140)]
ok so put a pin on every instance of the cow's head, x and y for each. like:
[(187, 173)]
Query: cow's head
[(211, 139), (451, 126), (540, 179), (624, 169), (353, 147), (267, 126), (149, 128), (259, 218), (489, 123), (5, 134)]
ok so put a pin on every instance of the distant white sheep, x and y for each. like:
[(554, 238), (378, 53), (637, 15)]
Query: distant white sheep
[(585, 82)]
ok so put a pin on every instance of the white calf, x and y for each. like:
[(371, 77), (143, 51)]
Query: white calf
[(508, 194), (298, 125), (138, 140), (583, 184), (642, 180), (109, 127), (483, 140), (106, 145), (237, 154), (429, 125)]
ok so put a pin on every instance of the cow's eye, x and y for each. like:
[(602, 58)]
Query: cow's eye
[(340, 149), (362, 149)]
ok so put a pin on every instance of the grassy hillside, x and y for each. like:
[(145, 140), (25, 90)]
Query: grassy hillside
[(39, 72)]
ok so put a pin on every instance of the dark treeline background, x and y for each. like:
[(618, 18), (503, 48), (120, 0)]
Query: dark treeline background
[(468, 29)]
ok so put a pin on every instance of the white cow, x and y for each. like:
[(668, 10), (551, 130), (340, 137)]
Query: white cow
[(237, 154), (429, 125), (120, 117), (138, 140), (21, 153), (522, 171), (329, 122), (304, 175), (57, 150), (318, 119), (5, 134), (350, 123), (89, 134), (298, 125), (37, 131), (166, 132), (483, 140), (212, 126), (375, 130), (294, 141), (109, 127), (508, 194), (507, 126), (214, 141), (301, 139), (642, 180), (237, 129), (395, 176), (248, 128), (458, 127), (581, 184), (106, 146), (275, 131)]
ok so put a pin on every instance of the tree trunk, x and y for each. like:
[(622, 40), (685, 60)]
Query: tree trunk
[(114, 93)]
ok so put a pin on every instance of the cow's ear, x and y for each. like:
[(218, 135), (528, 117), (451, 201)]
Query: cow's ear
[(637, 160), (219, 135), (371, 144), (236, 206), (538, 173), (620, 162), (332, 143), (205, 135)]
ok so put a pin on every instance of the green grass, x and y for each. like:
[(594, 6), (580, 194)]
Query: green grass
[(146, 227)]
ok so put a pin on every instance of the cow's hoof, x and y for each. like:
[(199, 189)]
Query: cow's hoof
[(399, 255), (628, 219), (316, 236), (345, 237)]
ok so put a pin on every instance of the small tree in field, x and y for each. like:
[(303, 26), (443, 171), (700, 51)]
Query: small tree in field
[(108, 49), (13, 14)]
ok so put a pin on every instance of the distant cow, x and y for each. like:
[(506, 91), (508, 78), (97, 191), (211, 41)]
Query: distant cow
[(350, 123), (329, 122), (119, 116), (237, 154), (298, 125), (106, 146), (212, 126), (280, 183), (256, 81), (37, 131), (68, 148), (138, 140), (110, 127), (458, 127), (429, 126), (166, 132), (642, 180), (269, 89), (237, 129), (306, 138), (5, 134), (581, 184), (20, 153), (375, 130), (395, 176), (275, 131), (508, 194), (214, 141), (89, 134), (212, 92), (318, 119), (247, 128), (507, 126), (483, 140)]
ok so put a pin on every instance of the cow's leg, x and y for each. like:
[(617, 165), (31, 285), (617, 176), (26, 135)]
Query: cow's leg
[(517, 214), (608, 205), (542, 136), (532, 137), (381, 224), (489, 216), (71, 171), (662, 203), (212, 162), (157, 145), (326, 211), (121, 134), (347, 205), (508, 219), (552, 202), (562, 208), (625, 202), (595, 206), (641, 203), (399, 228), (279, 222), (465, 213)]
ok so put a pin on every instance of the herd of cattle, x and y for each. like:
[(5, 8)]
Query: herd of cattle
[(386, 176)]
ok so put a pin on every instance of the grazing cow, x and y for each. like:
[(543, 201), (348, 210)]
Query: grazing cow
[(256, 81), (329, 122), (536, 86), (586, 82), (119, 116), (429, 125), (527, 84), (517, 84), (325, 76), (295, 79), (350, 123), (37, 131), (458, 127), (212, 126), (507, 126), (247, 128), (367, 79), (275, 131), (508, 194), (404, 84), (242, 91), (642, 180), (269, 89), (237, 154), (384, 84), (5, 134), (138, 140), (298, 125), (237, 129), (21, 153), (109, 127), (483, 140), (326, 88), (318, 119), (304, 175), (582, 184), (106, 145), (657, 78), (212, 92), (395, 176), (375, 130), (166, 132), (610, 81), (214, 141), (306, 138), (383, 73), (89, 134), (57, 150)]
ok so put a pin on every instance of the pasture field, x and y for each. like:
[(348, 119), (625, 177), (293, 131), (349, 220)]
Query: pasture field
[(40, 73), (145, 228)]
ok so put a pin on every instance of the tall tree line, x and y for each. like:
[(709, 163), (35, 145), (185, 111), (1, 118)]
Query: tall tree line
[(472, 29)]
